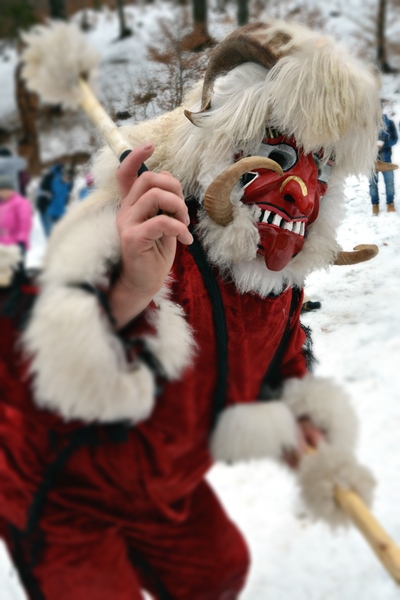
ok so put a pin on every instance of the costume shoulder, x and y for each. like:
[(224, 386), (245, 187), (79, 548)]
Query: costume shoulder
[(79, 362)]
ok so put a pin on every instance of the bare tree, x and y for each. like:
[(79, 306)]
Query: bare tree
[(199, 39), (200, 16), (163, 87), (242, 12), (28, 106), (381, 38), (124, 31)]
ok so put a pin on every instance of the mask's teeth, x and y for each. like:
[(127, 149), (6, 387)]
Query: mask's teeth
[(284, 224), (265, 216), (276, 220), (296, 227)]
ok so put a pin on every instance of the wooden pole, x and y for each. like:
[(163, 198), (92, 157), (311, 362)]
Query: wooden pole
[(101, 120), (381, 543), (383, 546)]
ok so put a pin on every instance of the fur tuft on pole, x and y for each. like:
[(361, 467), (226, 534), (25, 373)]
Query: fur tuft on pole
[(56, 57), (59, 65)]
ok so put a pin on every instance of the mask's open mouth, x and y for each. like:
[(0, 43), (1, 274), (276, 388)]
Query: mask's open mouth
[(273, 217), (280, 238)]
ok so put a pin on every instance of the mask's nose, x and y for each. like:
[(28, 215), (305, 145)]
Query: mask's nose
[(293, 189)]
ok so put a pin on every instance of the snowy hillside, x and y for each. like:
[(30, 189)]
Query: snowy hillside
[(356, 340)]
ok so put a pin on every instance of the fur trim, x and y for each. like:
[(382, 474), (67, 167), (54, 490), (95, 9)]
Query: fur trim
[(327, 405), (174, 344), (234, 243), (321, 472), (10, 258), (256, 430), (85, 246), (77, 361)]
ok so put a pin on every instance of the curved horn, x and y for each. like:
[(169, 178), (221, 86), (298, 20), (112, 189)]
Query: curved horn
[(361, 253), (217, 198), (385, 166), (250, 43)]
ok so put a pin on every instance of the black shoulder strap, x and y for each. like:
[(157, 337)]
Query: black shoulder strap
[(272, 379), (221, 331)]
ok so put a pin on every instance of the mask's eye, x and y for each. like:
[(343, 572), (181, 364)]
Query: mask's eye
[(248, 178), (284, 154), (324, 168)]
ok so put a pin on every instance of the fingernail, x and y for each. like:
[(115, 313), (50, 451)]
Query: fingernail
[(147, 146)]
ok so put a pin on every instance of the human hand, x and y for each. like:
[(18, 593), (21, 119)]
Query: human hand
[(379, 143), (151, 218), (309, 436)]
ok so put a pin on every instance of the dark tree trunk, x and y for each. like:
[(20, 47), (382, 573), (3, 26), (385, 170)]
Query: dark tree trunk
[(243, 12), (199, 39), (58, 9), (124, 31), (28, 142), (381, 39), (200, 17)]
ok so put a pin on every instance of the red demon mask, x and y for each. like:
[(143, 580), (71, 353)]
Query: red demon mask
[(289, 203)]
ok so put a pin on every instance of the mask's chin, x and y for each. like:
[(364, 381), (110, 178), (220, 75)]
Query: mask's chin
[(278, 246)]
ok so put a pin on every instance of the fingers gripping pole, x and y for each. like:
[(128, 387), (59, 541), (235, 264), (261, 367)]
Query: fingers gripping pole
[(101, 120), (383, 546)]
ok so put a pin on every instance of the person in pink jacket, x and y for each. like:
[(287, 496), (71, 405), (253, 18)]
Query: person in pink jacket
[(15, 229), (15, 216)]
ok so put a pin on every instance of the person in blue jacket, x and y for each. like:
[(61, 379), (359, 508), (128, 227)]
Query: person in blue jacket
[(53, 194), (387, 139)]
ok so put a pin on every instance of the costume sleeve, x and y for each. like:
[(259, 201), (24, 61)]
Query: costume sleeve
[(79, 362)]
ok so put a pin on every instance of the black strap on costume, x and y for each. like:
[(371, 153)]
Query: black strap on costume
[(221, 331), (22, 565), (101, 297), (272, 380)]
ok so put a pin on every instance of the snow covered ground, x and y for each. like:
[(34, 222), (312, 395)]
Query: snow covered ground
[(357, 341)]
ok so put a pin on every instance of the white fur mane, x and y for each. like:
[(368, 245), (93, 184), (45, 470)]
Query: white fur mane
[(317, 92)]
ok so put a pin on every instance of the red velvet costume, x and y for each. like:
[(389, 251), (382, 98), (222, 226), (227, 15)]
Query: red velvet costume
[(106, 436), (166, 458)]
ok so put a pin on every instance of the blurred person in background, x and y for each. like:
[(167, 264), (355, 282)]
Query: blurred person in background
[(16, 167), (53, 195), (15, 229), (387, 139), (88, 188)]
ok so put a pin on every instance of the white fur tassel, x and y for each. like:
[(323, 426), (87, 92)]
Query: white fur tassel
[(55, 57), (319, 475)]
